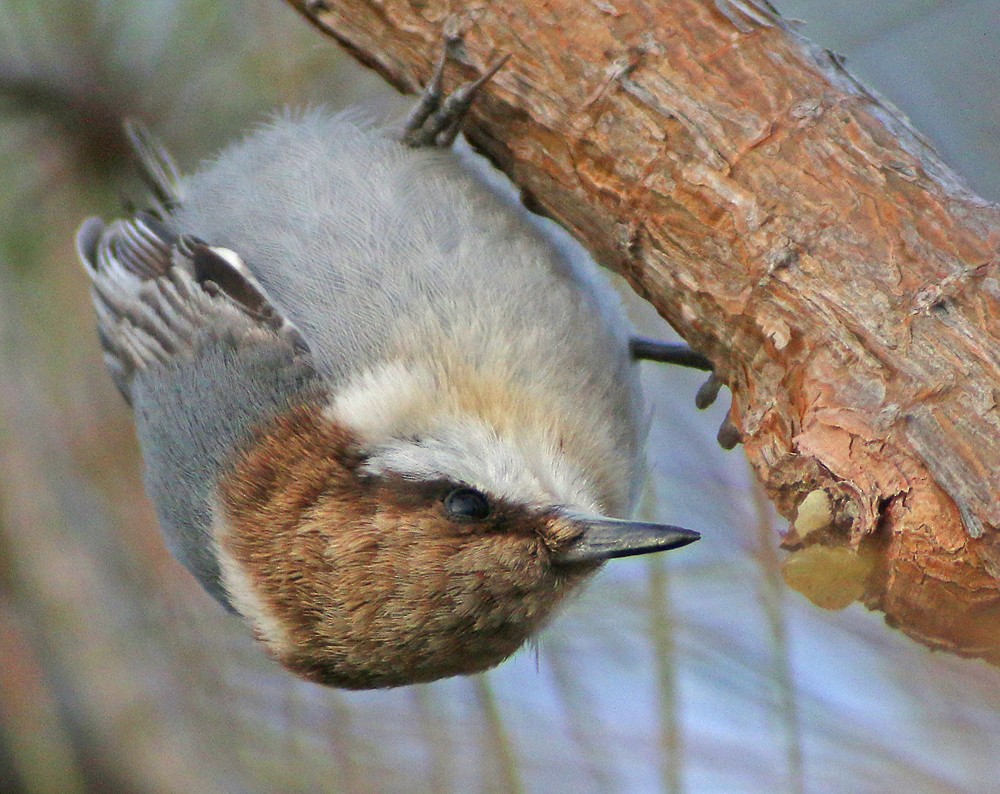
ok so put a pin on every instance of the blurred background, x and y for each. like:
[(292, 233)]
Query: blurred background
[(696, 671)]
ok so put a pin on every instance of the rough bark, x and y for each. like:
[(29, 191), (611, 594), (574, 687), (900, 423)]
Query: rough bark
[(792, 226)]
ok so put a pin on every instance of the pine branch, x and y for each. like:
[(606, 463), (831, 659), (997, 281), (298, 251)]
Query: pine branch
[(793, 227)]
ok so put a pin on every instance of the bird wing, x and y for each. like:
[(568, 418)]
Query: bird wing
[(203, 357), (161, 297)]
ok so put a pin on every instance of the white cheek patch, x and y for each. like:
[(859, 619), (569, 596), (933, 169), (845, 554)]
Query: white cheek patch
[(413, 429), (384, 402), (465, 450)]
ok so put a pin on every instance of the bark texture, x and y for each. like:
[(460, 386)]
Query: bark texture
[(790, 225)]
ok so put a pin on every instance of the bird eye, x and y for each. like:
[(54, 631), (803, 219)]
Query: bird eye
[(467, 503)]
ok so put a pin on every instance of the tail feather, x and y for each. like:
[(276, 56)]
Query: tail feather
[(156, 166)]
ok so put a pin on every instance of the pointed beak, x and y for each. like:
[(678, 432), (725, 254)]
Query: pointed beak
[(607, 538)]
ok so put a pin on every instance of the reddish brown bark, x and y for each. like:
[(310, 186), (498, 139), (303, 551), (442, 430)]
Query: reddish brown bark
[(792, 226)]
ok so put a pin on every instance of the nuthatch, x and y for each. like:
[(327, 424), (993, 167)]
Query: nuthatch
[(384, 417)]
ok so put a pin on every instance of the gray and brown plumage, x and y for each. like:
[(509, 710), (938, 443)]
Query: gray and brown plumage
[(384, 416)]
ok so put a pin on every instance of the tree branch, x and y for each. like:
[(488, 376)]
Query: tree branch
[(791, 226)]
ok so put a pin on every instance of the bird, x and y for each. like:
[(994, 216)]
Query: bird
[(385, 417)]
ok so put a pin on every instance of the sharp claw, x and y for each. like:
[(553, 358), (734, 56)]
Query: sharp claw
[(436, 122), (488, 74), (430, 100)]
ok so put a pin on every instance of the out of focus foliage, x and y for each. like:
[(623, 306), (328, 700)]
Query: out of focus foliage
[(696, 671)]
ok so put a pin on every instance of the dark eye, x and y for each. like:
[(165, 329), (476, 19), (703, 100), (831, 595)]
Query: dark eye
[(467, 503)]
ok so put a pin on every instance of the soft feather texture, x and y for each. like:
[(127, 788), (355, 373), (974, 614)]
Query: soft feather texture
[(365, 581), (200, 369), (364, 328), (381, 253)]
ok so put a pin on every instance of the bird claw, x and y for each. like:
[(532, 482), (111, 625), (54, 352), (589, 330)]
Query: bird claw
[(681, 355), (437, 119), (729, 434), (708, 392)]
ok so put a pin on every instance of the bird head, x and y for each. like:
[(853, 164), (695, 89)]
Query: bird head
[(428, 550)]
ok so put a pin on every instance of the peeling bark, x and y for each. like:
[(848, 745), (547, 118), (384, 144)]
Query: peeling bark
[(792, 226)]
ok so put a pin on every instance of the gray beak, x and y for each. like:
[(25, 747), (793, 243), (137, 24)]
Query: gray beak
[(607, 538)]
